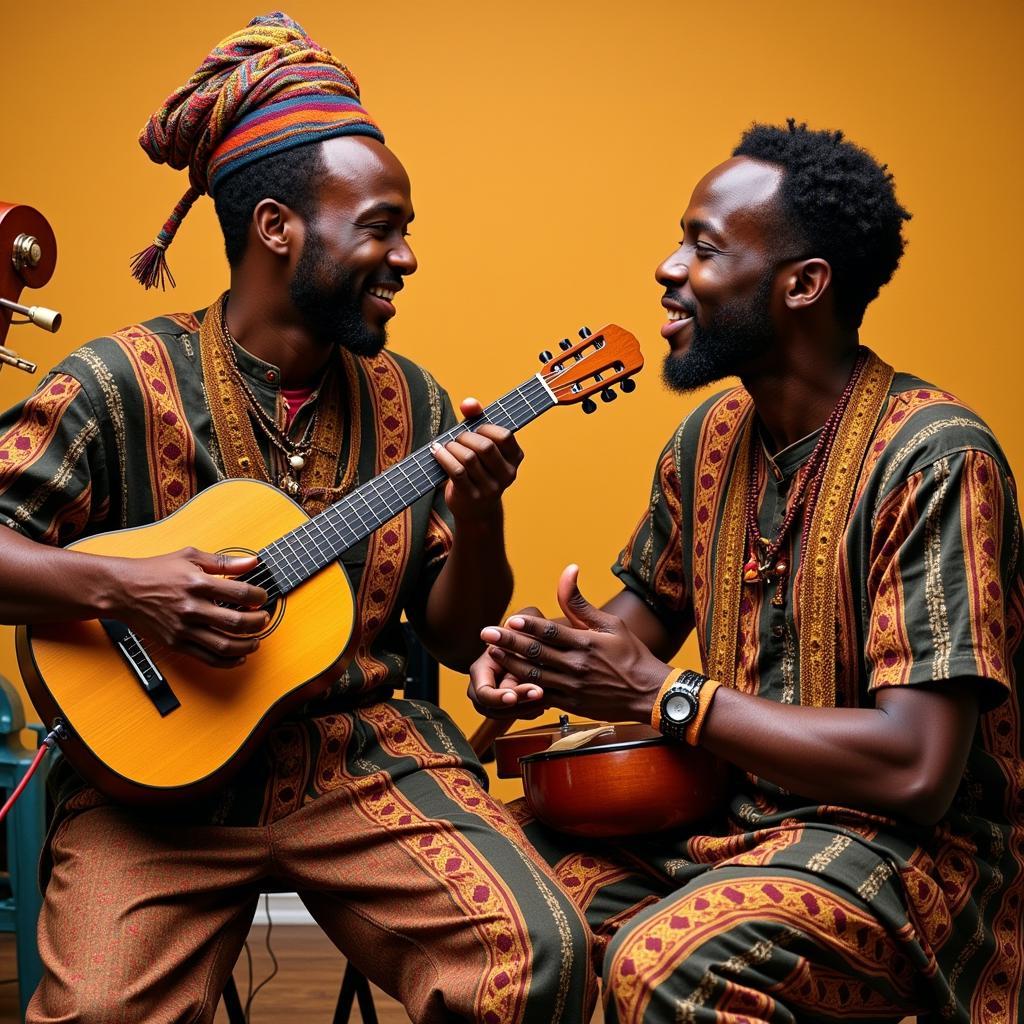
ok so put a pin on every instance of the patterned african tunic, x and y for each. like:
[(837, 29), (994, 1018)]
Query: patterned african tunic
[(928, 585), (120, 434)]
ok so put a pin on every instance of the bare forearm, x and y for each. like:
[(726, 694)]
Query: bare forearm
[(49, 584), (473, 590), (903, 757), (188, 599)]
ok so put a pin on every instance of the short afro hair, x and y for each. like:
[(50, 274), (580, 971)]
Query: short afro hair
[(841, 205), (292, 178)]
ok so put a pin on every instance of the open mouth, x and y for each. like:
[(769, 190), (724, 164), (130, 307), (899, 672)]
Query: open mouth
[(383, 296), (677, 322)]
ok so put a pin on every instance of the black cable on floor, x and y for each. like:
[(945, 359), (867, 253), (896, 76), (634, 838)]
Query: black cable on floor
[(253, 992)]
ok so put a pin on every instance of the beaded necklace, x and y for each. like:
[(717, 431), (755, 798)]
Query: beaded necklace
[(818, 579), (764, 567), (294, 452), (235, 409)]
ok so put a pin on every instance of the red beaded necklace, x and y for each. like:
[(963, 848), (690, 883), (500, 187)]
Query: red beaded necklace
[(808, 485)]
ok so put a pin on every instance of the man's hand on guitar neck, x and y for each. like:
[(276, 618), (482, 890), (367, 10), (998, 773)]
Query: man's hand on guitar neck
[(481, 464), (475, 584)]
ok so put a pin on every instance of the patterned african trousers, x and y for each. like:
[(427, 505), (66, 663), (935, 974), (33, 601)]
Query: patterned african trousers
[(377, 818), (790, 922)]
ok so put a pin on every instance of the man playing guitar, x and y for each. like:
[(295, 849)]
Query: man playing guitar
[(371, 807)]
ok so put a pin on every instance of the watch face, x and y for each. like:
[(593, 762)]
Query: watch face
[(680, 707)]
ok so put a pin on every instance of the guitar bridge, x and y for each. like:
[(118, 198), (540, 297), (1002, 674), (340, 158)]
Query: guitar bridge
[(154, 683)]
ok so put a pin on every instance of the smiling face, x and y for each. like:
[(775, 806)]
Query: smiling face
[(355, 253), (719, 283)]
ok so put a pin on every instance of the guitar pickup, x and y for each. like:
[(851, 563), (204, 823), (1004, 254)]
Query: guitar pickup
[(154, 683)]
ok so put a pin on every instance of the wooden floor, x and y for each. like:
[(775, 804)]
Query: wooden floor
[(306, 985), (305, 988)]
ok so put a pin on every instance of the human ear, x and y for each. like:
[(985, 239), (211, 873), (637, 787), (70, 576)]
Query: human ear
[(806, 282), (277, 227)]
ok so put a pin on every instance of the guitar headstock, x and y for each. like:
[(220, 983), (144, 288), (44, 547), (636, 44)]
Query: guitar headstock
[(592, 365)]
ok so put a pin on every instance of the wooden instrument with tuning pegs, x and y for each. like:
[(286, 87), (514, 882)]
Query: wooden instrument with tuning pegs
[(603, 780), (28, 256), (146, 724)]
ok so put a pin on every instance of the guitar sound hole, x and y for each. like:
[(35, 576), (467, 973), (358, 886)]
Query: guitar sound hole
[(275, 606)]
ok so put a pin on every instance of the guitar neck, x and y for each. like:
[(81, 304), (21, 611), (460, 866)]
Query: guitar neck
[(307, 549)]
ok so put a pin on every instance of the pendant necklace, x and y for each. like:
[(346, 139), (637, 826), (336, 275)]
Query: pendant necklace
[(765, 560), (295, 453)]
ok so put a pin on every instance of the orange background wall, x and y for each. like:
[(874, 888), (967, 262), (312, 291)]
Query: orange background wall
[(552, 147)]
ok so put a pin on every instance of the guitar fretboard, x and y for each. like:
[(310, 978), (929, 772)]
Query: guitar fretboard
[(307, 549)]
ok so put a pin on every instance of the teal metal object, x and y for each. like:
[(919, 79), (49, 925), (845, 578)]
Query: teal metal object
[(26, 829)]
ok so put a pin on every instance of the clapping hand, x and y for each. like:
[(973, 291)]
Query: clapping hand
[(590, 664)]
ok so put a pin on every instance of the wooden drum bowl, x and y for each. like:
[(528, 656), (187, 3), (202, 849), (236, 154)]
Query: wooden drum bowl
[(623, 783), (512, 747)]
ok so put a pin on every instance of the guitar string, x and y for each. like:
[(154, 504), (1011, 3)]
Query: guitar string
[(335, 517), (384, 508), (423, 461), (522, 399)]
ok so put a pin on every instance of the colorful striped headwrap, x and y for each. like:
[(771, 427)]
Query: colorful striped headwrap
[(263, 89)]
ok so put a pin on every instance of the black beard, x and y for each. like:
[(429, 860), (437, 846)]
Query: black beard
[(725, 344), (330, 304)]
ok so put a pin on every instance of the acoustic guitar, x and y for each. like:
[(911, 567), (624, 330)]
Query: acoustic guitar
[(148, 725)]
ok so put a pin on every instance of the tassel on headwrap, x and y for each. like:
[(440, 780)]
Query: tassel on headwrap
[(150, 266), (263, 89)]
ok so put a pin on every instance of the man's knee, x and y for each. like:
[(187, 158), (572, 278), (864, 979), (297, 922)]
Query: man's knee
[(562, 979), (77, 1002), (633, 968)]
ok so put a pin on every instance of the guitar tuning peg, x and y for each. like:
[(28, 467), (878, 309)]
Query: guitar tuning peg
[(608, 395), (545, 356), (564, 344), (585, 332), (628, 386), (589, 406)]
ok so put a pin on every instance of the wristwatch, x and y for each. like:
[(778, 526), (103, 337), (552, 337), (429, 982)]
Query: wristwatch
[(680, 704)]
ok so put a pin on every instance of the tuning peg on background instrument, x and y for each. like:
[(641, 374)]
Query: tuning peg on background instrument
[(589, 406), (564, 344), (628, 386), (9, 358), (48, 319), (585, 332), (608, 395), (545, 356)]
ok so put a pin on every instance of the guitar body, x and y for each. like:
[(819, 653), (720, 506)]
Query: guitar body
[(119, 740), (147, 724)]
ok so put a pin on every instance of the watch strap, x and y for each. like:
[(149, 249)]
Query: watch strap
[(670, 680), (696, 726), (689, 731)]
